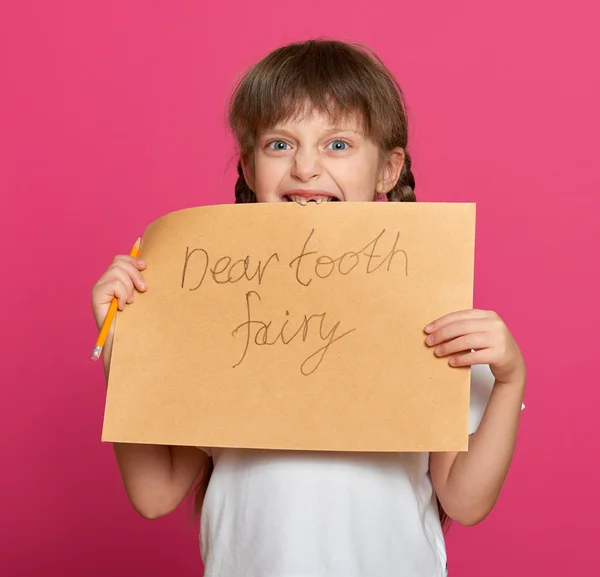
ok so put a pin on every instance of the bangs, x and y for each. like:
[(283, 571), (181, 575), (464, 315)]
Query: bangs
[(337, 80), (306, 103)]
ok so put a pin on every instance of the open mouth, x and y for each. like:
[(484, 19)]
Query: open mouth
[(304, 200)]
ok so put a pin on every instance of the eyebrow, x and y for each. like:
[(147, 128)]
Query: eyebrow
[(341, 129), (327, 132)]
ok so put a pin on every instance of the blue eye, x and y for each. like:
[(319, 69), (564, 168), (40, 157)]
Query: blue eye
[(278, 145), (338, 145)]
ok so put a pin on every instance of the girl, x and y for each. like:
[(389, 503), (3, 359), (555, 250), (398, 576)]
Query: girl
[(324, 121)]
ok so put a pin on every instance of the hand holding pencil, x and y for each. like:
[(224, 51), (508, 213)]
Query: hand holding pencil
[(114, 290)]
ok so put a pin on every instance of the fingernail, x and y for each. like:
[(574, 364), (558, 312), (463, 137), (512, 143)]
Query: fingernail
[(438, 350), (428, 328), (143, 285), (141, 262), (429, 340)]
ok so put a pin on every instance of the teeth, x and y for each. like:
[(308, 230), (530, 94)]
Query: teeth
[(301, 200)]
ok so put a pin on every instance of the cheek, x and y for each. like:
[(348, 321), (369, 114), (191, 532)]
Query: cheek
[(268, 175), (268, 171), (357, 179)]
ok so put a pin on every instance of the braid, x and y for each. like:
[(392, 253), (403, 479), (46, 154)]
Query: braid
[(243, 194), (404, 190)]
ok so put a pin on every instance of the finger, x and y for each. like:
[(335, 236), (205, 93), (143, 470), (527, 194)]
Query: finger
[(134, 274), (462, 344), (115, 289), (120, 274), (457, 316), (138, 263), (109, 274), (480, 357), (457, 329), (123, 293)]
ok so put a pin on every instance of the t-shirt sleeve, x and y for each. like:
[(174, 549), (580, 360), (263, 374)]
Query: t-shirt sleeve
[(482, 382)]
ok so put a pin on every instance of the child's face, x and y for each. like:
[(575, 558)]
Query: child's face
[(309, 159)]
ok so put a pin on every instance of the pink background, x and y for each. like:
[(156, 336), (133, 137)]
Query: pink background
[(112, 114)]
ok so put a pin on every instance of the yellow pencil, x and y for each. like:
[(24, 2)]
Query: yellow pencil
[(112, 311)]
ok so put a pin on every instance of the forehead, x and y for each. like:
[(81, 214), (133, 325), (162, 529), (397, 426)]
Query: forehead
[(309, 115)]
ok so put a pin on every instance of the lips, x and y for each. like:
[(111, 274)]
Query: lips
[(303, 197)]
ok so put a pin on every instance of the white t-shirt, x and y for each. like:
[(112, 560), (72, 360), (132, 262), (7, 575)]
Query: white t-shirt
[(313, 514)]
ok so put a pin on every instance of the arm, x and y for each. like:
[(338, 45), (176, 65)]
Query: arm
[(468, 484), (156, 477)]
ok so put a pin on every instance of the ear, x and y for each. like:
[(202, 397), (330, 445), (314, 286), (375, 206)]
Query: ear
[(248, 170), (390, 171)]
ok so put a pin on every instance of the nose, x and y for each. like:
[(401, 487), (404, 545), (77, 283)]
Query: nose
[(306, 165)]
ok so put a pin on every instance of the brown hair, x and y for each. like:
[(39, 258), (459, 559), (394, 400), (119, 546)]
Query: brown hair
[(333, 78)]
